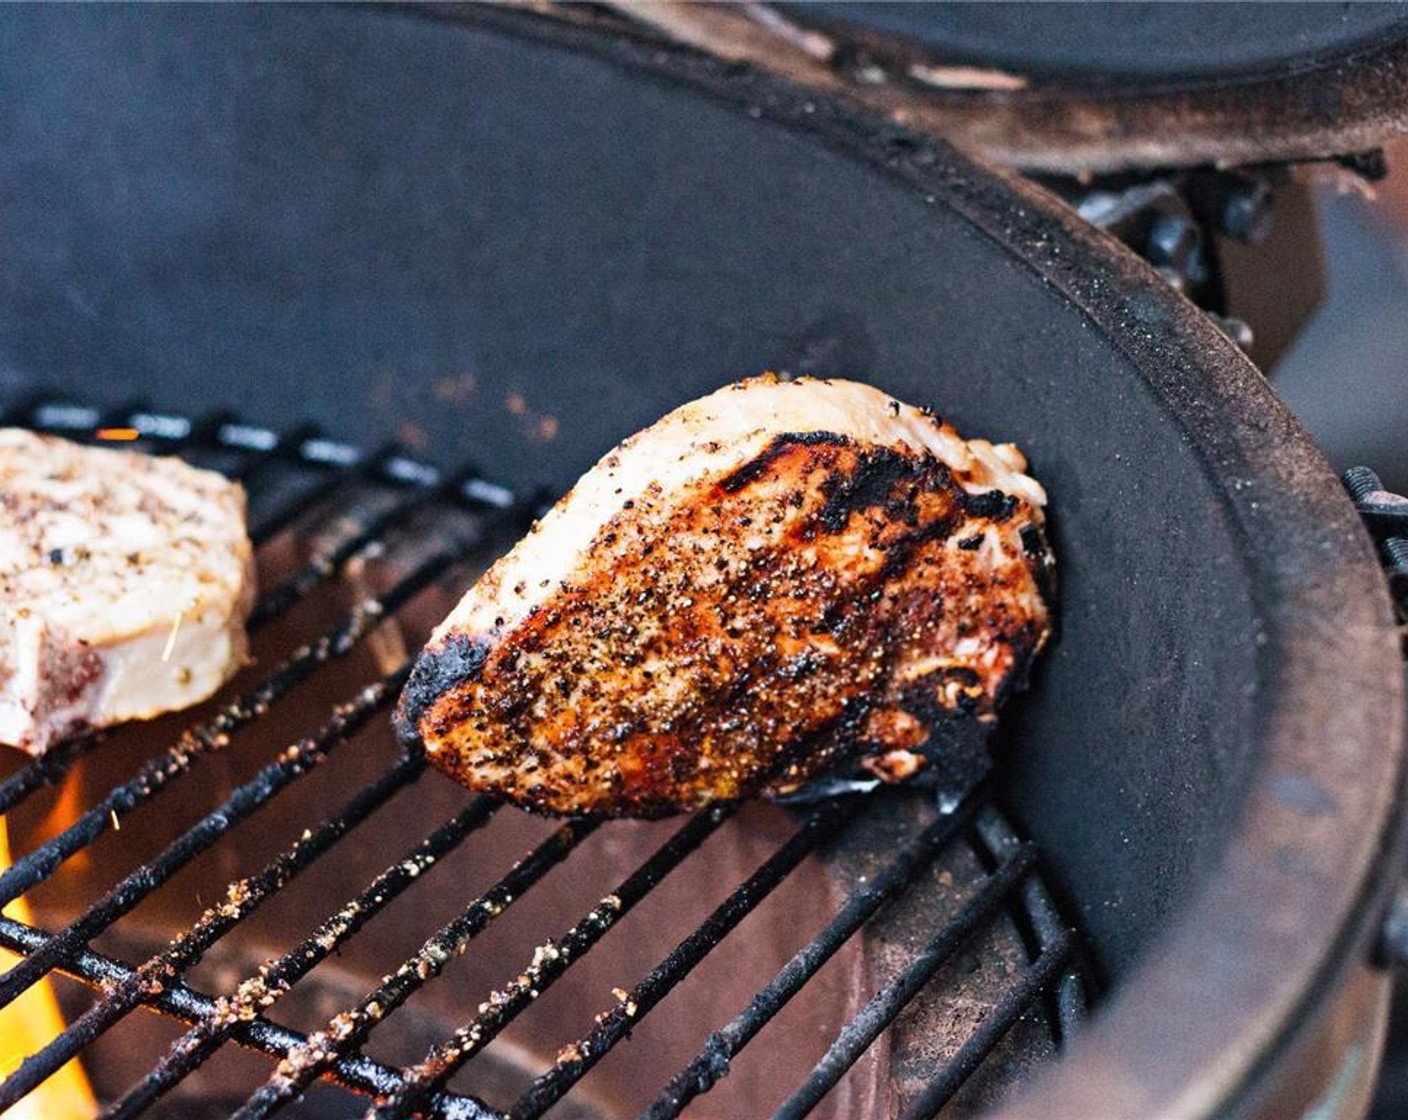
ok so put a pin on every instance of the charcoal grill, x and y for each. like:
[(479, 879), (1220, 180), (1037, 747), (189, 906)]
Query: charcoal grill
[(524, 239), (304, 480)]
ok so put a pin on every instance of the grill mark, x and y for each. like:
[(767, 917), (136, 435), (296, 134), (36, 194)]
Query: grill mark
[(872, 483), (754, 469)]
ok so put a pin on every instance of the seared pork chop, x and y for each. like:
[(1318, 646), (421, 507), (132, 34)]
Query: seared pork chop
[(125, 580), (774, 580)]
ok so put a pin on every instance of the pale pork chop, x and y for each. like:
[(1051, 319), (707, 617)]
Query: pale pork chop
[(125, 582), (770, 582)]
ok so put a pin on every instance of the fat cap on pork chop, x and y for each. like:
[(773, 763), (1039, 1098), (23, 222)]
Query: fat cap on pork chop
[(125, 580), (770, 581)]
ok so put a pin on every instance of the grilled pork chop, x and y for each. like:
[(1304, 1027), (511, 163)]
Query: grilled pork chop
[(772, 581), (125, 581)]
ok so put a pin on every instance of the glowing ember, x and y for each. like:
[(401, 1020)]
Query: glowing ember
[(30, 1023)]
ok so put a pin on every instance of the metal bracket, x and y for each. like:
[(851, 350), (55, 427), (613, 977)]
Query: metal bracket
[(1178, 221)]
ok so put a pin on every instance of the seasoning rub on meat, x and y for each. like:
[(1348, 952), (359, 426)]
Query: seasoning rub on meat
[(125, 580), (772, 581)]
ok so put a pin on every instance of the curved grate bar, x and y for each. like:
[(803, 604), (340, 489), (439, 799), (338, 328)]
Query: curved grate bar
[(1048, 930), (991, 1030)]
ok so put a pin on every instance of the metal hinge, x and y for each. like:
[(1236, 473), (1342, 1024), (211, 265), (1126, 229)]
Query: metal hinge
[(1176, 221)]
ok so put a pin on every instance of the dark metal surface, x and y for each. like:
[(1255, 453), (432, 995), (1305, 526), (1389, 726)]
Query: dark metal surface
[(655, 217), (526, 240)]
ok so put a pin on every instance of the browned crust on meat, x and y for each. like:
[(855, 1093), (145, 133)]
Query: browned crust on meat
[(742, 639)]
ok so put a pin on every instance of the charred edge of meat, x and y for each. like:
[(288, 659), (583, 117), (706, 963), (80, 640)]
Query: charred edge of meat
[(993, 505), (824, 751), (1026, 642), (1037, 548), (438, 671)]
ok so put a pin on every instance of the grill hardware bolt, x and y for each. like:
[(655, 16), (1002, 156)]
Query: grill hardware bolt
[(1247, 212), (1392, 949), (1176, 243), (1238, 205), (1361, 482), (1385, 514)]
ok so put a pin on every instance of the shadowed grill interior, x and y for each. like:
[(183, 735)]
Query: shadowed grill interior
[(363, 545)]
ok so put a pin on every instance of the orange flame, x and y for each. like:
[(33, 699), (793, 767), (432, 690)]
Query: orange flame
[(29, 1024), (67, 808)]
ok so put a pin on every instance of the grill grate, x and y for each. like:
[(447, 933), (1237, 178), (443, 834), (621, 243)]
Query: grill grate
[(302, 478)]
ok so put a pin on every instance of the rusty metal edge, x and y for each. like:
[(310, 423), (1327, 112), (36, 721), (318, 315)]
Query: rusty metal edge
[(1259, 949)]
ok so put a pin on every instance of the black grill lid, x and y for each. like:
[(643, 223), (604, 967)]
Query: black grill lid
[(1127, 46), (1083, 88)]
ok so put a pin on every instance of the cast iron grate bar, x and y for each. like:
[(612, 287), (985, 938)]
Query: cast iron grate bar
[(369, 534), (577, 1058), (550, 961), (350, 1029), (857, 1035), (1047, 929), (206, 738), (272, 982), (303, 482), (991, 1030), (339, 463), (243, 897), (713, 1060), (293, 763), (56, 762), (100, 972), (46, 770), (176, 434)]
